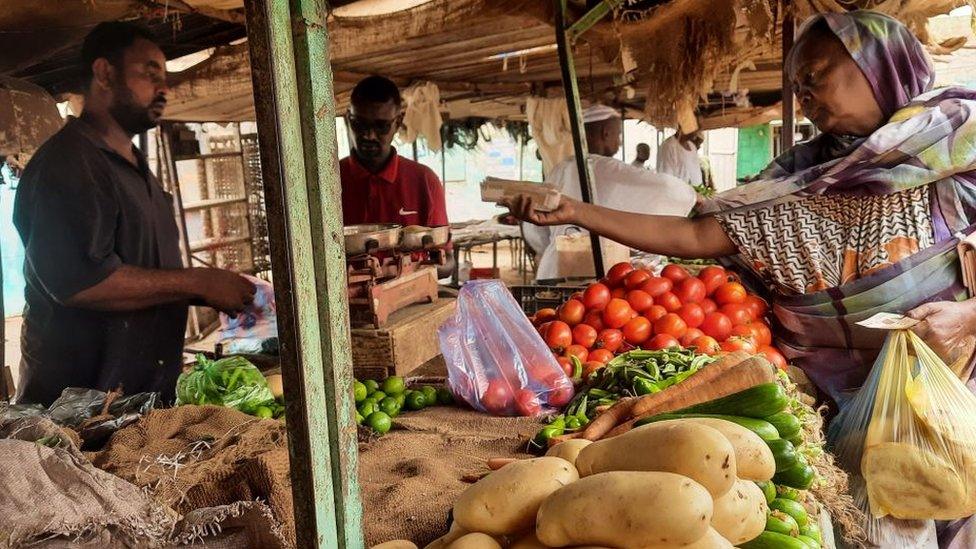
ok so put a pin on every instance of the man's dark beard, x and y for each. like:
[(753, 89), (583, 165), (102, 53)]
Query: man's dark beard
[(133, 118)]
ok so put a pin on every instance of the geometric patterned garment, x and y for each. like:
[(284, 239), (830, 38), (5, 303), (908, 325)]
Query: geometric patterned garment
[(825, 241)]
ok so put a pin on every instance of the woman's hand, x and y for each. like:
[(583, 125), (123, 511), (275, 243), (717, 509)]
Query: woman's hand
[(522, 207), (949, 328)]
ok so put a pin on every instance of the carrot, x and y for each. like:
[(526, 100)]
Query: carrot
[(603, 423), (497, 463), (695, 386)]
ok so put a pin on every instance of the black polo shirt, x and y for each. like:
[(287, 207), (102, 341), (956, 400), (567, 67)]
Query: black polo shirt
[(82, 211)]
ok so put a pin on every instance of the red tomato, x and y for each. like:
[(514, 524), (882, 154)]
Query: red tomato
[(585, 335), (670, 324), (637, 331), (661, 341), (730, 292), (717, 326), (527, 403), (669, 301), (497, 398), (618, 293), (762, 333), (600, 355), (713, 276), (692, 314), (557, 335), (578, 351), (566, 365), (690, 290), (757, 305), (636, 278), (657, 285), (655, 312), (545, 315), (596, 296), (594, 318), (610, 340), (640, 300), (773, 355), (617, 313), (578, 296), (691, 335), (706, 345), (561, 394), (708, 306), (572, 312), (737, 343), (738, 313), (591, 367), (675, 273), (617, 274)]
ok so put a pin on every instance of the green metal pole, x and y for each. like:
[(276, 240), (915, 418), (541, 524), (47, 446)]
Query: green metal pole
[(571, 88), (295, 112), (591, 18)]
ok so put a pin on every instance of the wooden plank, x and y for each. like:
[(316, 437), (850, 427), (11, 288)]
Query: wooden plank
[(296, 120), (789, 107), (407, 342)]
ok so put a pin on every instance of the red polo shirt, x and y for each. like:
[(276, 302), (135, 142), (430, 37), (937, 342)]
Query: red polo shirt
[(403, 192)]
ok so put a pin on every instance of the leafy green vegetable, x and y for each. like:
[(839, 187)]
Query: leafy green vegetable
[(232, 382)]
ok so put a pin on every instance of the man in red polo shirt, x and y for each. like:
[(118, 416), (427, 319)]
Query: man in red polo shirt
[(378, 185)]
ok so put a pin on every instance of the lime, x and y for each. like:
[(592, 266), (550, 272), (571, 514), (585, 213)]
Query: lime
[(371, 386), (393, 385), (379, 422), (430, 393), (416, 400), (377, 396), (445, 397), (390, 406), (360, 391), (264, 412), (368, 407), (401, 399), (359, 418)]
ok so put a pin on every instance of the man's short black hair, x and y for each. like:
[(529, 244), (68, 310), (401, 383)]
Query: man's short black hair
[(109, 40), (376, 89)]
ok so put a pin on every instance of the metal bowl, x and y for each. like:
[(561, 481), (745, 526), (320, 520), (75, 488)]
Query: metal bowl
[(418, 238), (361, 239)]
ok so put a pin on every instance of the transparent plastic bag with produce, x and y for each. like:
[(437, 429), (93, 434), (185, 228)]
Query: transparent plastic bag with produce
[(232, 382), (496, 360), (910, 433)]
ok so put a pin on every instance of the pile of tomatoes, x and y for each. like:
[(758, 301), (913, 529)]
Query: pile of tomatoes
[(631, 308)]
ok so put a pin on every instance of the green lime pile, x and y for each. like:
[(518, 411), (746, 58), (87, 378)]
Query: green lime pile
[(377, 403)]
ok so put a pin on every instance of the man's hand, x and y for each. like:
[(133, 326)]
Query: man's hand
[(523, 208), (226, 291), (949, 328)]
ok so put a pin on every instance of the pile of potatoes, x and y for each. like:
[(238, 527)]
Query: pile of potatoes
[(684, 483)]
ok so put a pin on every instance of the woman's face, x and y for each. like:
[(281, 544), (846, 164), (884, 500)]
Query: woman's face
[(833, 92)]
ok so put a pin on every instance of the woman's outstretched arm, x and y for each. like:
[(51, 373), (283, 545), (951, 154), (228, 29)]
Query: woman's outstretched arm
[(691, 238)]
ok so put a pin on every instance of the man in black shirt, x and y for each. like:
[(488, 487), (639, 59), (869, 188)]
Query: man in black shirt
[(107, 292)]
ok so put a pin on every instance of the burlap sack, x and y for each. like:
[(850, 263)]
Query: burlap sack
[(411, 476), (193, 457)]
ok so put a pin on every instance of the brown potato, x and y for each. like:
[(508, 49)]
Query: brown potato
[(753, 459), (476, 540), (907, 482), (569, 450), (740, 515)]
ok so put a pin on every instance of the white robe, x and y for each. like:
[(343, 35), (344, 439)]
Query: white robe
[(679, 160), (615, 185)]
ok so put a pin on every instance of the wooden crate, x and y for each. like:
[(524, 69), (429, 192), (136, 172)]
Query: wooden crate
[(408, 341)]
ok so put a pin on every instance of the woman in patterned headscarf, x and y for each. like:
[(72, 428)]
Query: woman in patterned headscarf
[(864, 218)]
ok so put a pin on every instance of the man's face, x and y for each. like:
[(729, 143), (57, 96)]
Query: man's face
[(373, 127), (643, 152), (139, 87)]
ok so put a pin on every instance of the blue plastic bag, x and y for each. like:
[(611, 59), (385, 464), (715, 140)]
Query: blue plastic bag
[(496, 360)]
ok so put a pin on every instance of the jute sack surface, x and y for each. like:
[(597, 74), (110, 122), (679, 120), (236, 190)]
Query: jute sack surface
[(411, 476), (192, 457)]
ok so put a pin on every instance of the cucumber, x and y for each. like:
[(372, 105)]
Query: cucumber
[(786, 424), (773, 540), (761, 427), (784, 453), (812, 531), (787, 492), (781, 523), (799, 476), (796, 440), (810, 542), (792, 509), (757, 402), (769, 490)]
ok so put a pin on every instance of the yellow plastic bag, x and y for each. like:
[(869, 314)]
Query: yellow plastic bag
[(911, 432)]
